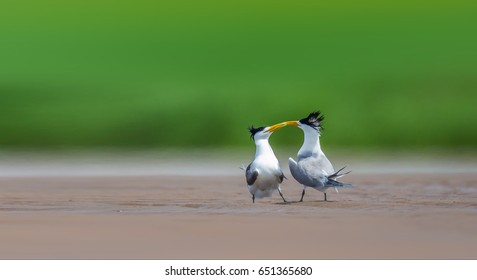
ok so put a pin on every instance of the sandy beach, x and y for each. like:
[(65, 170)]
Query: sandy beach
[(387, 215)]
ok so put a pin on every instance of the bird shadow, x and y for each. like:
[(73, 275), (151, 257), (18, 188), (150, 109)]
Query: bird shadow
[(285, 203), (304, 202)]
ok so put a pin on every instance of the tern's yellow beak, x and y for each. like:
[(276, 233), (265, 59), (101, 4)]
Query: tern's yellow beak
[(293, 123), (275, 127), (280, 125)]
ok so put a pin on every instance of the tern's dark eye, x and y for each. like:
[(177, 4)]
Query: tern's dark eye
[(254, 130), (314, 120)]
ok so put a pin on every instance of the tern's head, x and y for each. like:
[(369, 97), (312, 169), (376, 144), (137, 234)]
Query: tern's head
[(312, 123), (264, 132)]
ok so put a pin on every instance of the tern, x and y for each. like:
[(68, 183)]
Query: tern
[(264, 174), (312, 168)]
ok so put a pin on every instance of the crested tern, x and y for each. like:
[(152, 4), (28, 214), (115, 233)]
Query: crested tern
[(264, 174), (312, 168)]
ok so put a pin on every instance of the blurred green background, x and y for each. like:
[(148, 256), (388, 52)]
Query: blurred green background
[(188, 74)]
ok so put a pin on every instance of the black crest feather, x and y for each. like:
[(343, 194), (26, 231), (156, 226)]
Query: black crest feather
[(254, 130), (314, 120)]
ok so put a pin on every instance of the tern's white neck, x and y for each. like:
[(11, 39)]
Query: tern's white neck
[(263, 148), (311, 144)]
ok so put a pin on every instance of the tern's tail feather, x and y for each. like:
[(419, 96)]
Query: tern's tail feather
[(337, 184), (332, 179), (337, 174)]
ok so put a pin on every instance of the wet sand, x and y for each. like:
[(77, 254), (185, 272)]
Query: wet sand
[(385, 216)]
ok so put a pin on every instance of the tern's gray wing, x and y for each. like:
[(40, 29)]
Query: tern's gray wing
[(319, 160), (307, 172), (326, 165), (281, 176), (251, 176)]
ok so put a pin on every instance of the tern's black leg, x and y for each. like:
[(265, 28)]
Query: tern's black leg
[(325, 197), (284, 200), (253, 198), (302, 195)]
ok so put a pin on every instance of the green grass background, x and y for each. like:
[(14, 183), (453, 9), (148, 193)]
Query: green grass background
[(187, 74)]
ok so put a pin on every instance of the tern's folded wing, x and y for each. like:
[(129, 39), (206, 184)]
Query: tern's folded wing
[(280, 176), (251, 175), (306, 173)]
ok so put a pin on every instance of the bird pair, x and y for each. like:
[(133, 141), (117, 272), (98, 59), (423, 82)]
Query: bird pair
[(311, 169)]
